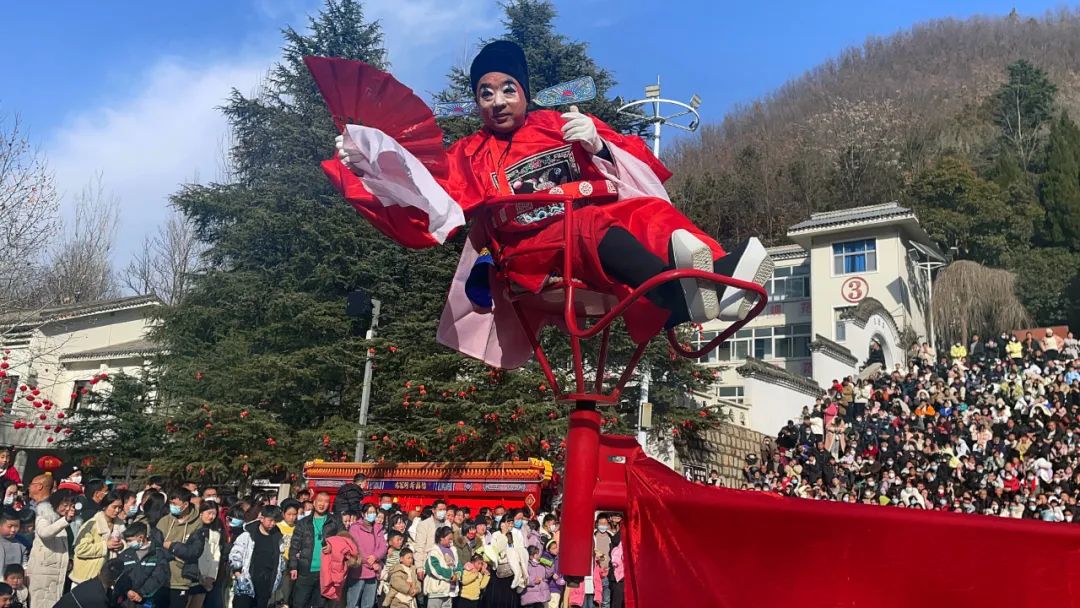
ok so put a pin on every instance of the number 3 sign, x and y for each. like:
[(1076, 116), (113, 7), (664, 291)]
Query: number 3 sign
[(854, 289)]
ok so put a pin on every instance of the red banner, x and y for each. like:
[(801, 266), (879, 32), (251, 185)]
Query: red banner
[(694, 545)]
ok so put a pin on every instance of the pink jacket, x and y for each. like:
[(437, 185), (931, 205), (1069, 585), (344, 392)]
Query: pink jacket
[(369, 540), (617, 563), (577, 594), (334, 567)]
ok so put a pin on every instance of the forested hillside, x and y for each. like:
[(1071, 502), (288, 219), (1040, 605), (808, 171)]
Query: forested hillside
[(968, 121)]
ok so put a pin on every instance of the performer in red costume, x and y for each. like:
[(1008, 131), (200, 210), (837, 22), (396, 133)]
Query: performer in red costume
[(629, 234)]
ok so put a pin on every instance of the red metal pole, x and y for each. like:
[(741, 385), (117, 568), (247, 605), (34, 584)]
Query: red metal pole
[(582, 459)]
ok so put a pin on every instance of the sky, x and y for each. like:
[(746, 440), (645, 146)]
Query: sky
[(130, 91)]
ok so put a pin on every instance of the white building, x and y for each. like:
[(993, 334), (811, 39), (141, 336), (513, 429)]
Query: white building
[(849, 279), (60, 349)]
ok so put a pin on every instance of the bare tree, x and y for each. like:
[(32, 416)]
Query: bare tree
[(970, 298), (29, 207), (80, 268), (166, 262)]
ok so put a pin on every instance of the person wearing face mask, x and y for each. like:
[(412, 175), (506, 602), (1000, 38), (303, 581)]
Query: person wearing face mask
[(548, 530), (363, 583), (176, 527), (255, 561), (424, 539), (145, 568), (386, 503), (201, 555)]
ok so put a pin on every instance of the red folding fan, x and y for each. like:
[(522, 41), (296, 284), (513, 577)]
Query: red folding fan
[(357, 93)]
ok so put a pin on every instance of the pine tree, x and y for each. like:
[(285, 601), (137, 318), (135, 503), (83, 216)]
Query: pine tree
[(120, 425), (1022, 107), (1061, 185), (264, 329)]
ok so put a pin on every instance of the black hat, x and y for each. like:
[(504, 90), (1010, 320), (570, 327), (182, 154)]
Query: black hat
[(501, 56)]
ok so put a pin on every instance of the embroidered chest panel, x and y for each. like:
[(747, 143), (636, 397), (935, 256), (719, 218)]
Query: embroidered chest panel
[(542, 171)]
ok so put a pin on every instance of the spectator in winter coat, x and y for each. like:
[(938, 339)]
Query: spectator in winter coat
[(351, 495), (98, 539), (201, 555), (444, 568), (11, 551), (305, 552), (474, 579), (371, 553), (338, 556), (537, 588), (424, 539), (255, 561), (176, 527), (550, 559), (402, 583), (47, 567), (144, 568)]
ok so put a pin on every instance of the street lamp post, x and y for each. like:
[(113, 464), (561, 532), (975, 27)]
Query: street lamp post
[(365, 395), (679, 113)]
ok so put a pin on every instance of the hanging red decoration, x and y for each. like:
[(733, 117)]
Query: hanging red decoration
[(49, 463)]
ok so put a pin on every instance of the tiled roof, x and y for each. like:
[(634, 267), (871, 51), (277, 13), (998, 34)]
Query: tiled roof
[(757, 367), (836, 350), (786, 252), (56, 313), (854, 215), (134, 347)]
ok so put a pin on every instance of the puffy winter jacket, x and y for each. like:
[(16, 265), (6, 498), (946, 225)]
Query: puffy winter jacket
[(349, 498), (240, 560), (144, 575), (302, 545), (336, 561)]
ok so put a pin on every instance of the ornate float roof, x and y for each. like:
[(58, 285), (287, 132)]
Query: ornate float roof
[(533, 469)]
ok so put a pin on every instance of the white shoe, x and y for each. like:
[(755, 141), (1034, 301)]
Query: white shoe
[(688, 251), (750, 262)]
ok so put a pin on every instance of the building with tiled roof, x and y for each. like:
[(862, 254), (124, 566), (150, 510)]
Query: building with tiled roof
[(848, 278), (59, 349)]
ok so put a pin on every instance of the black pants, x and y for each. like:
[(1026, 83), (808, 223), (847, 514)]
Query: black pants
[(263, 587), (460, 602), (305, 593), (178, 598)]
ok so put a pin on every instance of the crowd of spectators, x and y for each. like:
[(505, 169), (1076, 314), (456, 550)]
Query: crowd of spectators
[(990, 427), (96, 544)]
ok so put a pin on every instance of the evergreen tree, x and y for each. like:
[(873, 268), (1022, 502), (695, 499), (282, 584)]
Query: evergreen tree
[(1022, 107), (961, 209), (1061, 185), (122, 424)]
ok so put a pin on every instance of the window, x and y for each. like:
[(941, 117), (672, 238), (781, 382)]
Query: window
[(839, 323), (781, 342), (789, 283), (77, 394), (854, 256), (734, 394)]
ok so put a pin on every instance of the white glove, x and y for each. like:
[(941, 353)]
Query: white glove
[(582, 129), (349, 154)]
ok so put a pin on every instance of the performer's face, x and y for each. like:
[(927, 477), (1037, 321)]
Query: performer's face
[(502, 102)]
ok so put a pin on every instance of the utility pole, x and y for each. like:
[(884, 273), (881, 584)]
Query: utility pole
[(365, 395)]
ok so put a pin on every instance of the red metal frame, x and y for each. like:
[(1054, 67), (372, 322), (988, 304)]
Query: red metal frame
[(581, 493)]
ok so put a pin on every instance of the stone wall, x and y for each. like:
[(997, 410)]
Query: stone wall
[(723, 449)]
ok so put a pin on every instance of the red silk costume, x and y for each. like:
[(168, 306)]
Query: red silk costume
[(536, 158)]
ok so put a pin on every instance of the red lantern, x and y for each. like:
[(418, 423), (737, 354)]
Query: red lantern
[(49, 463)]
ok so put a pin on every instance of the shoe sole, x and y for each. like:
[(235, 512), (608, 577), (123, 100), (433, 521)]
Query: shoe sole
[(689, 252), (754, 266)]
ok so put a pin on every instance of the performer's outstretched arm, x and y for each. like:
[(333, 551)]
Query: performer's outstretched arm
[(391, 187)]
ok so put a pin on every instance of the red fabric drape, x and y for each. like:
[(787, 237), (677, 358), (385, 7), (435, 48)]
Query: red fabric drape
[(692, 545)]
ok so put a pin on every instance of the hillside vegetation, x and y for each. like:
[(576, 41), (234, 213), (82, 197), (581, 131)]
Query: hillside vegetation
[(968, 121)]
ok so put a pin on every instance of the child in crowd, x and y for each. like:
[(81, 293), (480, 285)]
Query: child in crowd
[(15, 577)]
